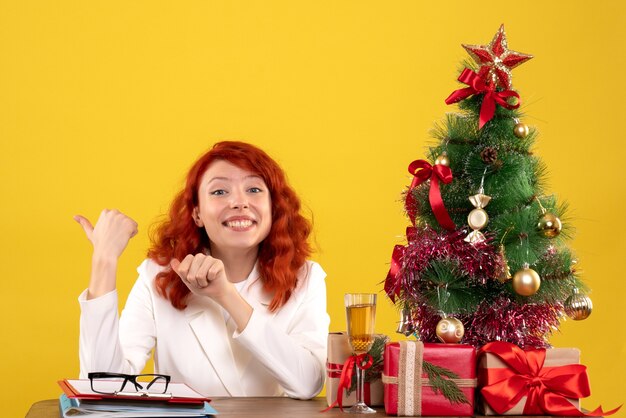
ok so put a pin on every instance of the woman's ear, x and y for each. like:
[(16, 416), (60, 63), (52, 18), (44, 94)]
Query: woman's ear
[(196, 217)]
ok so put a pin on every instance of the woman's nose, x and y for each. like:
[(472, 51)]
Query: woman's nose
[(239, 200)]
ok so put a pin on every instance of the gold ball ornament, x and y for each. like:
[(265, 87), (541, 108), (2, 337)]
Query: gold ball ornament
[(526, 281), (549, 225), (443, 159), (577, 306), (450, 330), (521, 130)]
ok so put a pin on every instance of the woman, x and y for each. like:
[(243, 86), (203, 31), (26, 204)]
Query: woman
[(226, 298)]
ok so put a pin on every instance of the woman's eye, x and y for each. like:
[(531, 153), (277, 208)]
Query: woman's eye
[(254, 190), (218, 192)]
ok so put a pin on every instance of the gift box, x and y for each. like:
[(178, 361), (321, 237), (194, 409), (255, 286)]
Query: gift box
[(513, 381), (339, 352), (429, 379)]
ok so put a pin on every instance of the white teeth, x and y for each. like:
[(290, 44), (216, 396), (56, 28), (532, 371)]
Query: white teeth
[(239, 224)]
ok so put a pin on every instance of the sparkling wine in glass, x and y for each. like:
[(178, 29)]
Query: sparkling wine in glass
[(361, 316)]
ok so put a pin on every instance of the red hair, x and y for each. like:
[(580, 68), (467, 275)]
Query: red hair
[(281, 254)]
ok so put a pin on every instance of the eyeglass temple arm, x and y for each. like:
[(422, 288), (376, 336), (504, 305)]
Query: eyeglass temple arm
[(134, 382), (159, 379)]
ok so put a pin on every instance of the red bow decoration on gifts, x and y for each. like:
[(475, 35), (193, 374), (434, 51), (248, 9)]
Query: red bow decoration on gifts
[(362, 361), (477, 85), (422, 171), (546, 389)]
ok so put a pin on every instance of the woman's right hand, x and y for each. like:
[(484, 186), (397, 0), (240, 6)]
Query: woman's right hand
[(109, 238), (111, 234)]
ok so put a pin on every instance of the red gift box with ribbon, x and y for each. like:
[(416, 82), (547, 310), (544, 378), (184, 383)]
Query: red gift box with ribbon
[(339, 354), (513, 381), (429, 379)]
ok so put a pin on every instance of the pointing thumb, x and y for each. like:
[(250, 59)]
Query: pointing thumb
[(85, 224)]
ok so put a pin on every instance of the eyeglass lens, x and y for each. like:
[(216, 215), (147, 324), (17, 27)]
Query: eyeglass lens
[(151, 383)]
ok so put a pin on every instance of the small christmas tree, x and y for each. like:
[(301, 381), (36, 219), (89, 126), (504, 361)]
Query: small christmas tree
[(485, 258)]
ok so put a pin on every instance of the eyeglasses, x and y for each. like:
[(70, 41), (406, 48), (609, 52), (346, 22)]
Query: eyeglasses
[(140, 384)]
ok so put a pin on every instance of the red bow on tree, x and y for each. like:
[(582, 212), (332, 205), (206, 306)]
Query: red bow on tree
[(422, 171), (392, 282), (477, 85), (546, 389)]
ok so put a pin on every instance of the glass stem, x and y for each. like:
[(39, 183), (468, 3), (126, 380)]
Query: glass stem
[(360, 384)]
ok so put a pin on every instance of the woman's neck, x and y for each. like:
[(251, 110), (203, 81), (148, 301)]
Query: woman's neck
[(237, 264)]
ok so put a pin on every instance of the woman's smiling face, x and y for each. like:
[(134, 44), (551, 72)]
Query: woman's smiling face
[(234, 207)]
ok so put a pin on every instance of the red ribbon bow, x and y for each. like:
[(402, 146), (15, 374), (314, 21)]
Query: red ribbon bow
[(392, 282), (477, 85), (422, 171), (362, 361), (546, 389)]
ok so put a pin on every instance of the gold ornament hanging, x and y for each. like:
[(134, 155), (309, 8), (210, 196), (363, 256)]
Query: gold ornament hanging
[(443, 159), (526, 281), (477, 218), (549, 225), (504, 275), (405, 326), (578, 306), (450, 330), (521, 130)]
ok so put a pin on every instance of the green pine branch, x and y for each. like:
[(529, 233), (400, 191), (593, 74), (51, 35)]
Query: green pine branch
[(446, 288), (440, 380)]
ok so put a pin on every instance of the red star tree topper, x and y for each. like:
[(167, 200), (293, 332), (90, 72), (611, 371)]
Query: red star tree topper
[(496, 60)]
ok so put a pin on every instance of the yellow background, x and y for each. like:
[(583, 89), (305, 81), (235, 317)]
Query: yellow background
[(105, 104)]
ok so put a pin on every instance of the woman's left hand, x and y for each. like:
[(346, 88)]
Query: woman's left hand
[(203, 275), (206, 276)]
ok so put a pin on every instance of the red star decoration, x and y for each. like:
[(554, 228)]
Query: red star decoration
[(496, 60)]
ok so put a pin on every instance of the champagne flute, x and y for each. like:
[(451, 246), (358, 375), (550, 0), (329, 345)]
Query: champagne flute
[(361, 315)]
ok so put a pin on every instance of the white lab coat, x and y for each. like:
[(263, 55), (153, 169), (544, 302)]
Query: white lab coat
[(277, 354)]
